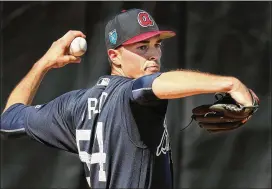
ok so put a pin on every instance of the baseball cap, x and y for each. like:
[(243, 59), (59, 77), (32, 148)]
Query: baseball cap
[(132, 26)]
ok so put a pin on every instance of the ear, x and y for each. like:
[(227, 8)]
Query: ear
[(114, 56)]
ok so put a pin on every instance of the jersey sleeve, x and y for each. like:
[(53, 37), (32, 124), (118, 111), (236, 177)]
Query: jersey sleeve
[(50, 123), (141, 90)]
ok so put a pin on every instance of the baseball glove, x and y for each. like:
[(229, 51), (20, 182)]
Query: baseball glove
[(225, 114)]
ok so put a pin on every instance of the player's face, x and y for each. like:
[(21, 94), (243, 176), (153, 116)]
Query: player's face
[(142, 58)]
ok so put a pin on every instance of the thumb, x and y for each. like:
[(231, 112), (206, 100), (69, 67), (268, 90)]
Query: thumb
[(71, 59), (64, 60)]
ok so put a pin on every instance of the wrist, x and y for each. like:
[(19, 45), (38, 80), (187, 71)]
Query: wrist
[(235, 85), (226, 84), (42, 65)]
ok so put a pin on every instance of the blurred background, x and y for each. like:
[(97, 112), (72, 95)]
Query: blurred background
[(227, 38)]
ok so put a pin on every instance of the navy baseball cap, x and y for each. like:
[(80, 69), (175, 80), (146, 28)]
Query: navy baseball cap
[(132, 26)]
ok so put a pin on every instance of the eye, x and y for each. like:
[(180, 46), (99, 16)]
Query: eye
[(158, 45), (143, 47)]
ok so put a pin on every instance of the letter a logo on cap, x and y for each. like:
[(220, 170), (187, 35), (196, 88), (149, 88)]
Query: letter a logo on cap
[(144, 19)]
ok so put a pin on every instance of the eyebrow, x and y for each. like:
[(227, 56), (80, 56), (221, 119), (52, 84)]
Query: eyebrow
[(146, 41)]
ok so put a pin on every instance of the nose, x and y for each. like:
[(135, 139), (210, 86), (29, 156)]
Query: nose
[(155, 55), (154, 58)]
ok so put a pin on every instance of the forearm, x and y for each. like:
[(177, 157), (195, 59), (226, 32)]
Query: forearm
[(57, 56), (25, 91), (178, 84)]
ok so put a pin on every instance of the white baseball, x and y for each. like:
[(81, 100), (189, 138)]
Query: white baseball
[(78, 46)]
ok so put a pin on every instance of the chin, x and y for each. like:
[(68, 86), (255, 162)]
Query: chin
[(151, 72)]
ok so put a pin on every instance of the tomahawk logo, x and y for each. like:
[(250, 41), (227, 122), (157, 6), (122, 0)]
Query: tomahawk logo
[(164, 145), (145, 20)]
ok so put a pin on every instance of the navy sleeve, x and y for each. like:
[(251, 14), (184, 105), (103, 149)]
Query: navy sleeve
[(141, 91), (49, 123), (12, 121)]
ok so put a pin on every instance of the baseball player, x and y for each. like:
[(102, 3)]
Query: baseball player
[(118, 126)]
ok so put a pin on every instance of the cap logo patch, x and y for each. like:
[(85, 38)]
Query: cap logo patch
[(113, 37), (145, 20)]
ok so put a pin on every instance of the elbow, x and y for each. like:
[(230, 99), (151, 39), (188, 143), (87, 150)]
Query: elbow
[(5, 123), (12, 120), (5, 126), (11, 128)]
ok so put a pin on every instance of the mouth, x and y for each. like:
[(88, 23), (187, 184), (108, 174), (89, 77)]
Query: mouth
[(152, 68)]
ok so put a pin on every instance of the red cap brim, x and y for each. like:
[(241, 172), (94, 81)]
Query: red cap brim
[(147, 35)]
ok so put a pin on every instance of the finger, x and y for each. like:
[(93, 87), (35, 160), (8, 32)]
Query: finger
[(75, 33), (246, 119), (201, 110), (62, 61), (71, 59), (254, 96), (70, 36), (231, 110), (217, 119)]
